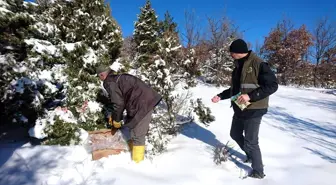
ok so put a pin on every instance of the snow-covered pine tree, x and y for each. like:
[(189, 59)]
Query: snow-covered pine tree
[(145, 35), (32, 65), (191, 67), (85, 35), (89, 24), (42, 74), (203, 112), (172, 71), (171, 48), (155, 72), (32, 80), (21, 92), (43, 4), (172, 51), (12, 48), (159, 59)]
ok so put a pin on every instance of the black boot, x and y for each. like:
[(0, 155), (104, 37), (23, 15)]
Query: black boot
[(257, 175)]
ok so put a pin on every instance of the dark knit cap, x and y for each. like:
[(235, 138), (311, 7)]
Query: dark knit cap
[(238, 46)]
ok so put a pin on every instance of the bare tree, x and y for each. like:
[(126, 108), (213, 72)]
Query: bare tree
[(191, 28), (218, 64), (330, 56), (285, 27), (219, 31), (257, 48), (324, 40)]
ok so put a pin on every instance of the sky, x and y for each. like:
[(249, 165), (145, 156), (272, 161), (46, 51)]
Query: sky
[(254, 18)]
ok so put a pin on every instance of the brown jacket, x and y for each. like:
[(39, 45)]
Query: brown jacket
[(130, 93)]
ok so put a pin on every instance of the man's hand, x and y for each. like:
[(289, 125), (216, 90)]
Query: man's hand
[(215, 99), (116, 124), (242, 99)]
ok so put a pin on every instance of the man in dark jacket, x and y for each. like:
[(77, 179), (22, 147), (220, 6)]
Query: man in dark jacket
[(255, 81), (129, 93)]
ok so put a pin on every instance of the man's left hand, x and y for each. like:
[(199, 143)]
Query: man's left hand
[(242, 99)]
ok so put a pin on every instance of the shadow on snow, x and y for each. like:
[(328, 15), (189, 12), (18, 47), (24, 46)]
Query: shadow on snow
[(195, 131), (322, 134)]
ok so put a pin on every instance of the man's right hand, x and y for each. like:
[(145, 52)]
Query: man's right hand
[(116, 124), (113, 123), (215, 99)]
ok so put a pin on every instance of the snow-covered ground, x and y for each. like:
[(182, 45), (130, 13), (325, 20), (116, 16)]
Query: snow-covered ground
[(297, 140)]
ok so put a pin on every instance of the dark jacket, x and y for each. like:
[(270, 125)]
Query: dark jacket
[(130, 93), (266, 81)]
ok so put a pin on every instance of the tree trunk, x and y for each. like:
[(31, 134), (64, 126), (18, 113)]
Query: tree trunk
[(315, 71)]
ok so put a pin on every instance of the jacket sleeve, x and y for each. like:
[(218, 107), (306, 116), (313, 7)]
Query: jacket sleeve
[(225, 94), (116, 100), (267, 83)]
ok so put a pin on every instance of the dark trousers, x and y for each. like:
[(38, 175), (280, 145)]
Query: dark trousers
[(138, 133), (249, 142)]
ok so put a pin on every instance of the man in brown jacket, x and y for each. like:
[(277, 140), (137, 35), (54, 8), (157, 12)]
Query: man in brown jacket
[(129, 93), (255, 81)]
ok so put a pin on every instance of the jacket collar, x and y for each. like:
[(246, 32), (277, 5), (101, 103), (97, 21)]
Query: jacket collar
[(247, 57)]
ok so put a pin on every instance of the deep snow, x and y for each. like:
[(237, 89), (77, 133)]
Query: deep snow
[(297, 140)]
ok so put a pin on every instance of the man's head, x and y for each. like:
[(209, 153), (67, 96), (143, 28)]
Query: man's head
[(238, 49), (103, 71)]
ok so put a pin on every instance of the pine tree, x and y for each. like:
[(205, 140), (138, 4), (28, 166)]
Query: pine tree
[(98, 41), (160, 63), (156, 72), (20, 93), (171, 48), (168, 24), (84, 36), (167, 71), (191, 67), (159, 55), (172, 51), (203, 112), (31, 64), (145, 36)]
